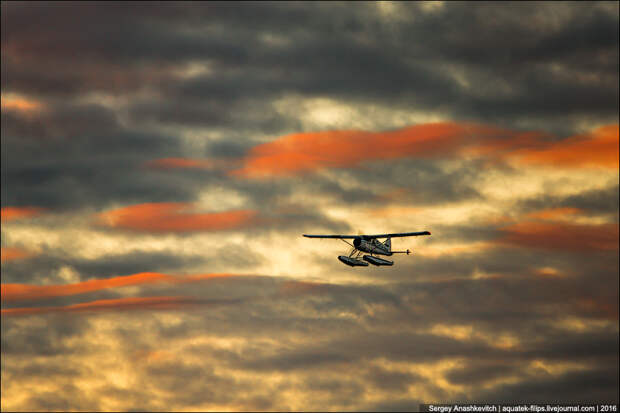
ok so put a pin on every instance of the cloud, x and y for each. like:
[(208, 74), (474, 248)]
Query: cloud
[(59, 122), (49, 266), (13, 253), (308, 152), (597, 383), (553, 214), (20, 104), (371, 342), (116, 304), (172, 217), (562, 236), (13, 213), (182, 163), (87, 167), (20, 292), (508, 65), (145, 139), (481, 372), (596, 308), (597, 201), (598, 148), (16, 292)]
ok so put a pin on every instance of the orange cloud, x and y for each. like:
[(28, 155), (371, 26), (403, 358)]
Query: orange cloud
[(171, 217), (294, 288), (17, 292), (20, 104), (547, 272), (187, 163), (11, 253), (598, 308), (171, 163), (305, 152), (596, 149), (554, 214), (115, 304), (13, 213), (562, 236)]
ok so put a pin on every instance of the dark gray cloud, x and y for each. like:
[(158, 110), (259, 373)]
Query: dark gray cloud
[(197, 384), (597, 201), (63, 122), (67, 397), (402, 405), (46, 266), (39, 338), (78, 156), (352, 54), (479, 373), (419, 182), (95, 183), (589, 386), (334, 51), (391, 380)]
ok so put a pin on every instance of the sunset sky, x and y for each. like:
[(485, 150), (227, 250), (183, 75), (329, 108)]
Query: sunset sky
[(161, 161)]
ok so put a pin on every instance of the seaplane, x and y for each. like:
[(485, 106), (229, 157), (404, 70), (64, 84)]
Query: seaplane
[(371, 245)]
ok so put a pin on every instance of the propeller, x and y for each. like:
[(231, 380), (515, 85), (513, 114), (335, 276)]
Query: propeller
[(359, 232)]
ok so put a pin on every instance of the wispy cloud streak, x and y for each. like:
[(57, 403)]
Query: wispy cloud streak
[(13, 253), (115, 304), (14, 213), (19, 292), (307, 152), (562, 236), (174, 217)]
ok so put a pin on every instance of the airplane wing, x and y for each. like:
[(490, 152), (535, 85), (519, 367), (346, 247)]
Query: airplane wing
[(331, 236), (398, 234)]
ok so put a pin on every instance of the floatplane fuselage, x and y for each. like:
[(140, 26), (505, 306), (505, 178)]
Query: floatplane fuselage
[(369, 244)]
